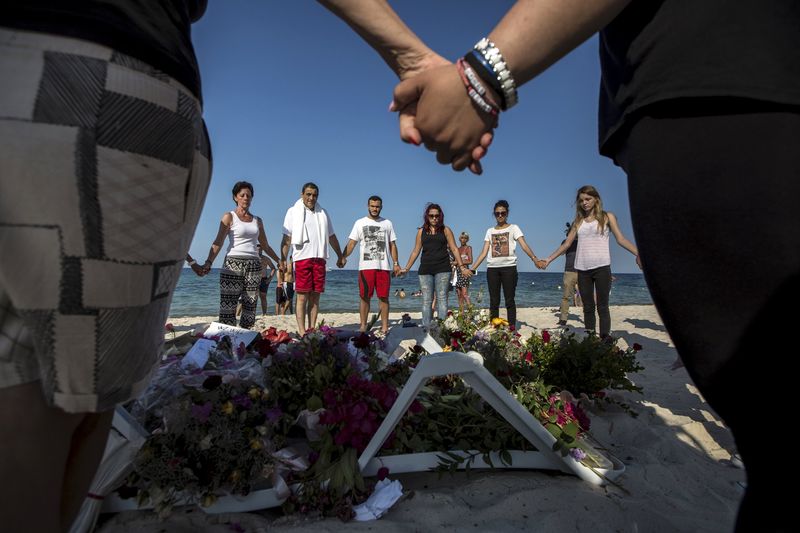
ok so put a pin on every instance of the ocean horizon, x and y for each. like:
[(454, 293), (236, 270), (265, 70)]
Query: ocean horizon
[(199, 296)]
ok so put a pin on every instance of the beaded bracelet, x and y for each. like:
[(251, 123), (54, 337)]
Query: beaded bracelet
[(475, 60), (499, 69), (476, 83), (474, 94)]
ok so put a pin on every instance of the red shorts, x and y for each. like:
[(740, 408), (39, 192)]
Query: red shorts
[(309, 275), (373, 281)]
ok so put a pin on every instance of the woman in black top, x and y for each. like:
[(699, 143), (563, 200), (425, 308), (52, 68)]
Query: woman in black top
[(434, 239)]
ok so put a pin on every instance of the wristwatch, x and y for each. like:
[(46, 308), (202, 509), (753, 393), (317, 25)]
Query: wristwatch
[(192, 262)]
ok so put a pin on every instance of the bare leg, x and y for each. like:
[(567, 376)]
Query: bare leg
[(313, 308), (263, 296), (86, 452), (384, 307), (300, 311), (49, 463), (363, 313)]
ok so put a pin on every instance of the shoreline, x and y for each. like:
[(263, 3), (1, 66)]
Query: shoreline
[(529, 319)]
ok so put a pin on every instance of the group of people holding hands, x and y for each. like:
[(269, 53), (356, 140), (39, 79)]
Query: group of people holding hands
[(308, 232)]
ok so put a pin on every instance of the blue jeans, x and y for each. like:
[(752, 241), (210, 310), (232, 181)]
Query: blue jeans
[(427, 282)]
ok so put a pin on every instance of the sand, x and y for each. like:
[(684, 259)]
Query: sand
[(679, 476)]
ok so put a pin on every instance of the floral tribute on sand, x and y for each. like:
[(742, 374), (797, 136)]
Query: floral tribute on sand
[(296, 413)]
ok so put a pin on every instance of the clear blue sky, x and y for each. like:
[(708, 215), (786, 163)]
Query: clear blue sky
[(293, 95)]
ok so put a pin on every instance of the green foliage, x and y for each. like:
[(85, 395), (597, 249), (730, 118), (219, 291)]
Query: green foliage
[(587, 365)]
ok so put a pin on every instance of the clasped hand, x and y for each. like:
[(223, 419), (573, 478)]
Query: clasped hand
[(436, 111)]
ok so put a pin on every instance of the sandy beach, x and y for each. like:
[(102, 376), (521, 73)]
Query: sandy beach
[(677, 452)]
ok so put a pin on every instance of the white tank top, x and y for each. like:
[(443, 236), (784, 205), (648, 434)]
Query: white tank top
[(243, 237), (593, 250)]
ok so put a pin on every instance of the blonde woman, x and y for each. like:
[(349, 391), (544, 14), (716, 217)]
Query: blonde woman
[(593, 227)]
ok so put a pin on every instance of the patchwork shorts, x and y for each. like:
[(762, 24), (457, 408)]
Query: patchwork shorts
[(104, 168)]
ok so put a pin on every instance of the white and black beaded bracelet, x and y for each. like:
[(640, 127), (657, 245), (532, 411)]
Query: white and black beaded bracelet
[(497, 63)]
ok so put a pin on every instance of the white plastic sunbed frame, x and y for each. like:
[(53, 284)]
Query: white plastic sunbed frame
[(470, 367)]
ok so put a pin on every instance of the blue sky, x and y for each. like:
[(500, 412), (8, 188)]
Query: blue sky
[(293, 95)]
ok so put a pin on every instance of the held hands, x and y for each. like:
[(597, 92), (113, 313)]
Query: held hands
[(397, 271), (199, 270), (541, 264), (341, 261), (436, 111)]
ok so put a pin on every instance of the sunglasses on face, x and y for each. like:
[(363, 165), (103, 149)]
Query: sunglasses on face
[(500, 213), (434, 216)]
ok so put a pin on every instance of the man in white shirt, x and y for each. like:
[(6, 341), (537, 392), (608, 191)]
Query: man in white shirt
[(307, 228), (375, 235)]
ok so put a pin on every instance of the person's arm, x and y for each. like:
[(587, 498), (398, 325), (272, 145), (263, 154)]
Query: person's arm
[(336, 248), (262, 240), (216, 246), (351, 244), (573, 231), (481, 257), (415, 252), (621, 240), (528, 251), (405, 53), (532, 36), (285, 242), (393, 251), (196, 268)]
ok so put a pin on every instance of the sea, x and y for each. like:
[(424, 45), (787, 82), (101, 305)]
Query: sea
[(196, 296)]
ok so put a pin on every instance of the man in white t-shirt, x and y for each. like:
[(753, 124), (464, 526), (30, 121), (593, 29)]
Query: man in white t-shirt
[(377, 239), (308, 229)]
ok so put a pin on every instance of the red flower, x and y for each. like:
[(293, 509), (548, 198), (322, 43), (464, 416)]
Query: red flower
[(528, 356), (546, 336), (361, 341), (275, 336), (169, 327), (636, 346), (382, 473)]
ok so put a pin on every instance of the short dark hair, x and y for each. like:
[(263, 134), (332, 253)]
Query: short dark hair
[(501, 203), (375, 198), (309, 185), (239, 185)]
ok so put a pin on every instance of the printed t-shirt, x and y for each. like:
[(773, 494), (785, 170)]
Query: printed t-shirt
[(374, 238), (502, 245)]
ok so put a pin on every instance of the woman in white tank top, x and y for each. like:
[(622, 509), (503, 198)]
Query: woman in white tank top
[(241, 270), (593, 227)]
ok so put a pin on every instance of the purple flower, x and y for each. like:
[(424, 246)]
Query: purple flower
[(382, 473), (577, 454), (201, 412), (242, 401), (273, 414)]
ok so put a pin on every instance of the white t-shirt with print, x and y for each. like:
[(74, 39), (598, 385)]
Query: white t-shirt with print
[(374, 238), (314, 247), (502, 244)]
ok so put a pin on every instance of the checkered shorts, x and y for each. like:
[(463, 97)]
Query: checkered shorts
[(104, 168)]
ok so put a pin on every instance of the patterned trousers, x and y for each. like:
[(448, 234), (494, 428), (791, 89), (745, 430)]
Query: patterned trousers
[(104, 168), (238, 281)]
